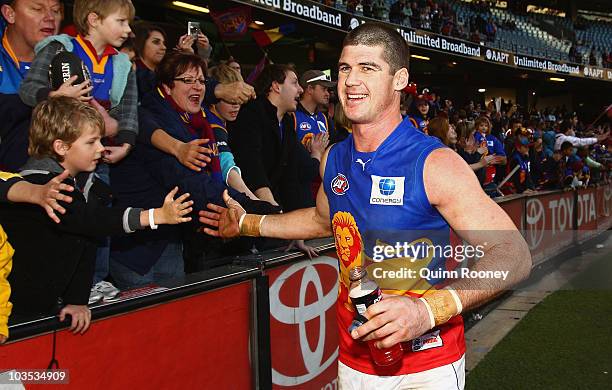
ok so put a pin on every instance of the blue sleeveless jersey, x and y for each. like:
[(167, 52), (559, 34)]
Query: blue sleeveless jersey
[(377, 200), (307, 125), (101, 71)]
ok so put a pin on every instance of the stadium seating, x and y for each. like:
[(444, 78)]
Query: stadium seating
[(539, 35)]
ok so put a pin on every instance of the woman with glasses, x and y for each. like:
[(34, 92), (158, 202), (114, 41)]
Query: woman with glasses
[(171, 118), (151, 47)]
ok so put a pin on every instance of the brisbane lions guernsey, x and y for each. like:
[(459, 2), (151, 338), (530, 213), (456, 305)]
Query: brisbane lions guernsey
[(308, 125), (381, 219), (100, 68)]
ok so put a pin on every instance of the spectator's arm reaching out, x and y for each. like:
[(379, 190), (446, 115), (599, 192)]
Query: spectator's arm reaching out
[(299, 224), (192, 154), (46, 196), (577, 141)]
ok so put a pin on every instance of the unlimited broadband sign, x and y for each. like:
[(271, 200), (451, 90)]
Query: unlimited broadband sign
[(303, 9), (339, 20)]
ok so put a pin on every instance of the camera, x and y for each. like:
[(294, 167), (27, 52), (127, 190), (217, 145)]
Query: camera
[(193, 29)]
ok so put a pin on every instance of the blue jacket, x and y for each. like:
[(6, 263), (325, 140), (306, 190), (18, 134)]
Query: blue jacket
[(155, 113), (15, 115), (10, 78)]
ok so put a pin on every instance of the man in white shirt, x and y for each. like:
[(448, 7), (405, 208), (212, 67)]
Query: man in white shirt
[(566, 133)]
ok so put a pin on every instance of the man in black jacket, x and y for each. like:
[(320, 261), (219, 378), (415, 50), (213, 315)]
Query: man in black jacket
[(264, 140)]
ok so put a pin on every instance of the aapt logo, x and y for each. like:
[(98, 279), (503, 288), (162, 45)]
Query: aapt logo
[(340, 184)]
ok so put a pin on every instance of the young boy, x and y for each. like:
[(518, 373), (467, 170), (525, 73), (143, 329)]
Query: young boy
[(53, 268), (494, 146), (102, 26)]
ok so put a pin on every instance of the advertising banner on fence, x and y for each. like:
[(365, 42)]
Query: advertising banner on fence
[(604, 207), (586, 214), (197, 342), (548, 224), (303, 325)]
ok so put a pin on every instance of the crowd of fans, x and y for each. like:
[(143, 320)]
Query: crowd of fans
[(582, 53), (517, 150), (168, 131)]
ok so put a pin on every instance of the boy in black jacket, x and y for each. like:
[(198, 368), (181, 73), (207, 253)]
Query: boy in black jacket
[(53, 263)]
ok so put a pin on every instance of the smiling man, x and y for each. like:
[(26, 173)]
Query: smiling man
[(264, 141), (388, 180), (23, 24)]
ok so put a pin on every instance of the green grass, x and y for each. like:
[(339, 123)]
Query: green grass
[(565, 342)]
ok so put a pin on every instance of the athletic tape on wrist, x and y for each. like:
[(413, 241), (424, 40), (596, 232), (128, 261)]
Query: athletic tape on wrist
[(443, 304), (261, 222), (456, 298), (250, 225), (432, 320), (241, 220)]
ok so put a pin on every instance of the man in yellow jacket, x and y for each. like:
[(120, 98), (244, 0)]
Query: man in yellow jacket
[(6, 263)]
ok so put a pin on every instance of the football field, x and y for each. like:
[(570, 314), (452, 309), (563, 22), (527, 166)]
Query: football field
[(565, 342)]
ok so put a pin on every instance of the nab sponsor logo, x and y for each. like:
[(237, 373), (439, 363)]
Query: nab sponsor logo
[(340, 184), (427, 341), (387, 191), (305, 126)]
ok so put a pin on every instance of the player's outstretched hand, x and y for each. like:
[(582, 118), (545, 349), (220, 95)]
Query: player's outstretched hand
[(223, 221)]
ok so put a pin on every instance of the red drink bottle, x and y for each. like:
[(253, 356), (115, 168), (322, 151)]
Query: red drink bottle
[(365, 292)]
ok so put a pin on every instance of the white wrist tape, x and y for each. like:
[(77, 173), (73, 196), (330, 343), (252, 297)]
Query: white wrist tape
[(241, 220), (152, 224), (456, 298), (432, 320)]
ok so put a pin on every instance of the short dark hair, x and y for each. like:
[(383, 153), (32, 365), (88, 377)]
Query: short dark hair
[(142, 31), (565, 126), (566, 145), (271, 73), (176, 63), (395, 49)]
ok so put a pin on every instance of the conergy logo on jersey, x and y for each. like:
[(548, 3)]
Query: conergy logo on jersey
[(387, 191)]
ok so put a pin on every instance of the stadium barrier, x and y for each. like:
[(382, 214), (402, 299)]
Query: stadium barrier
[(267, 321)]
